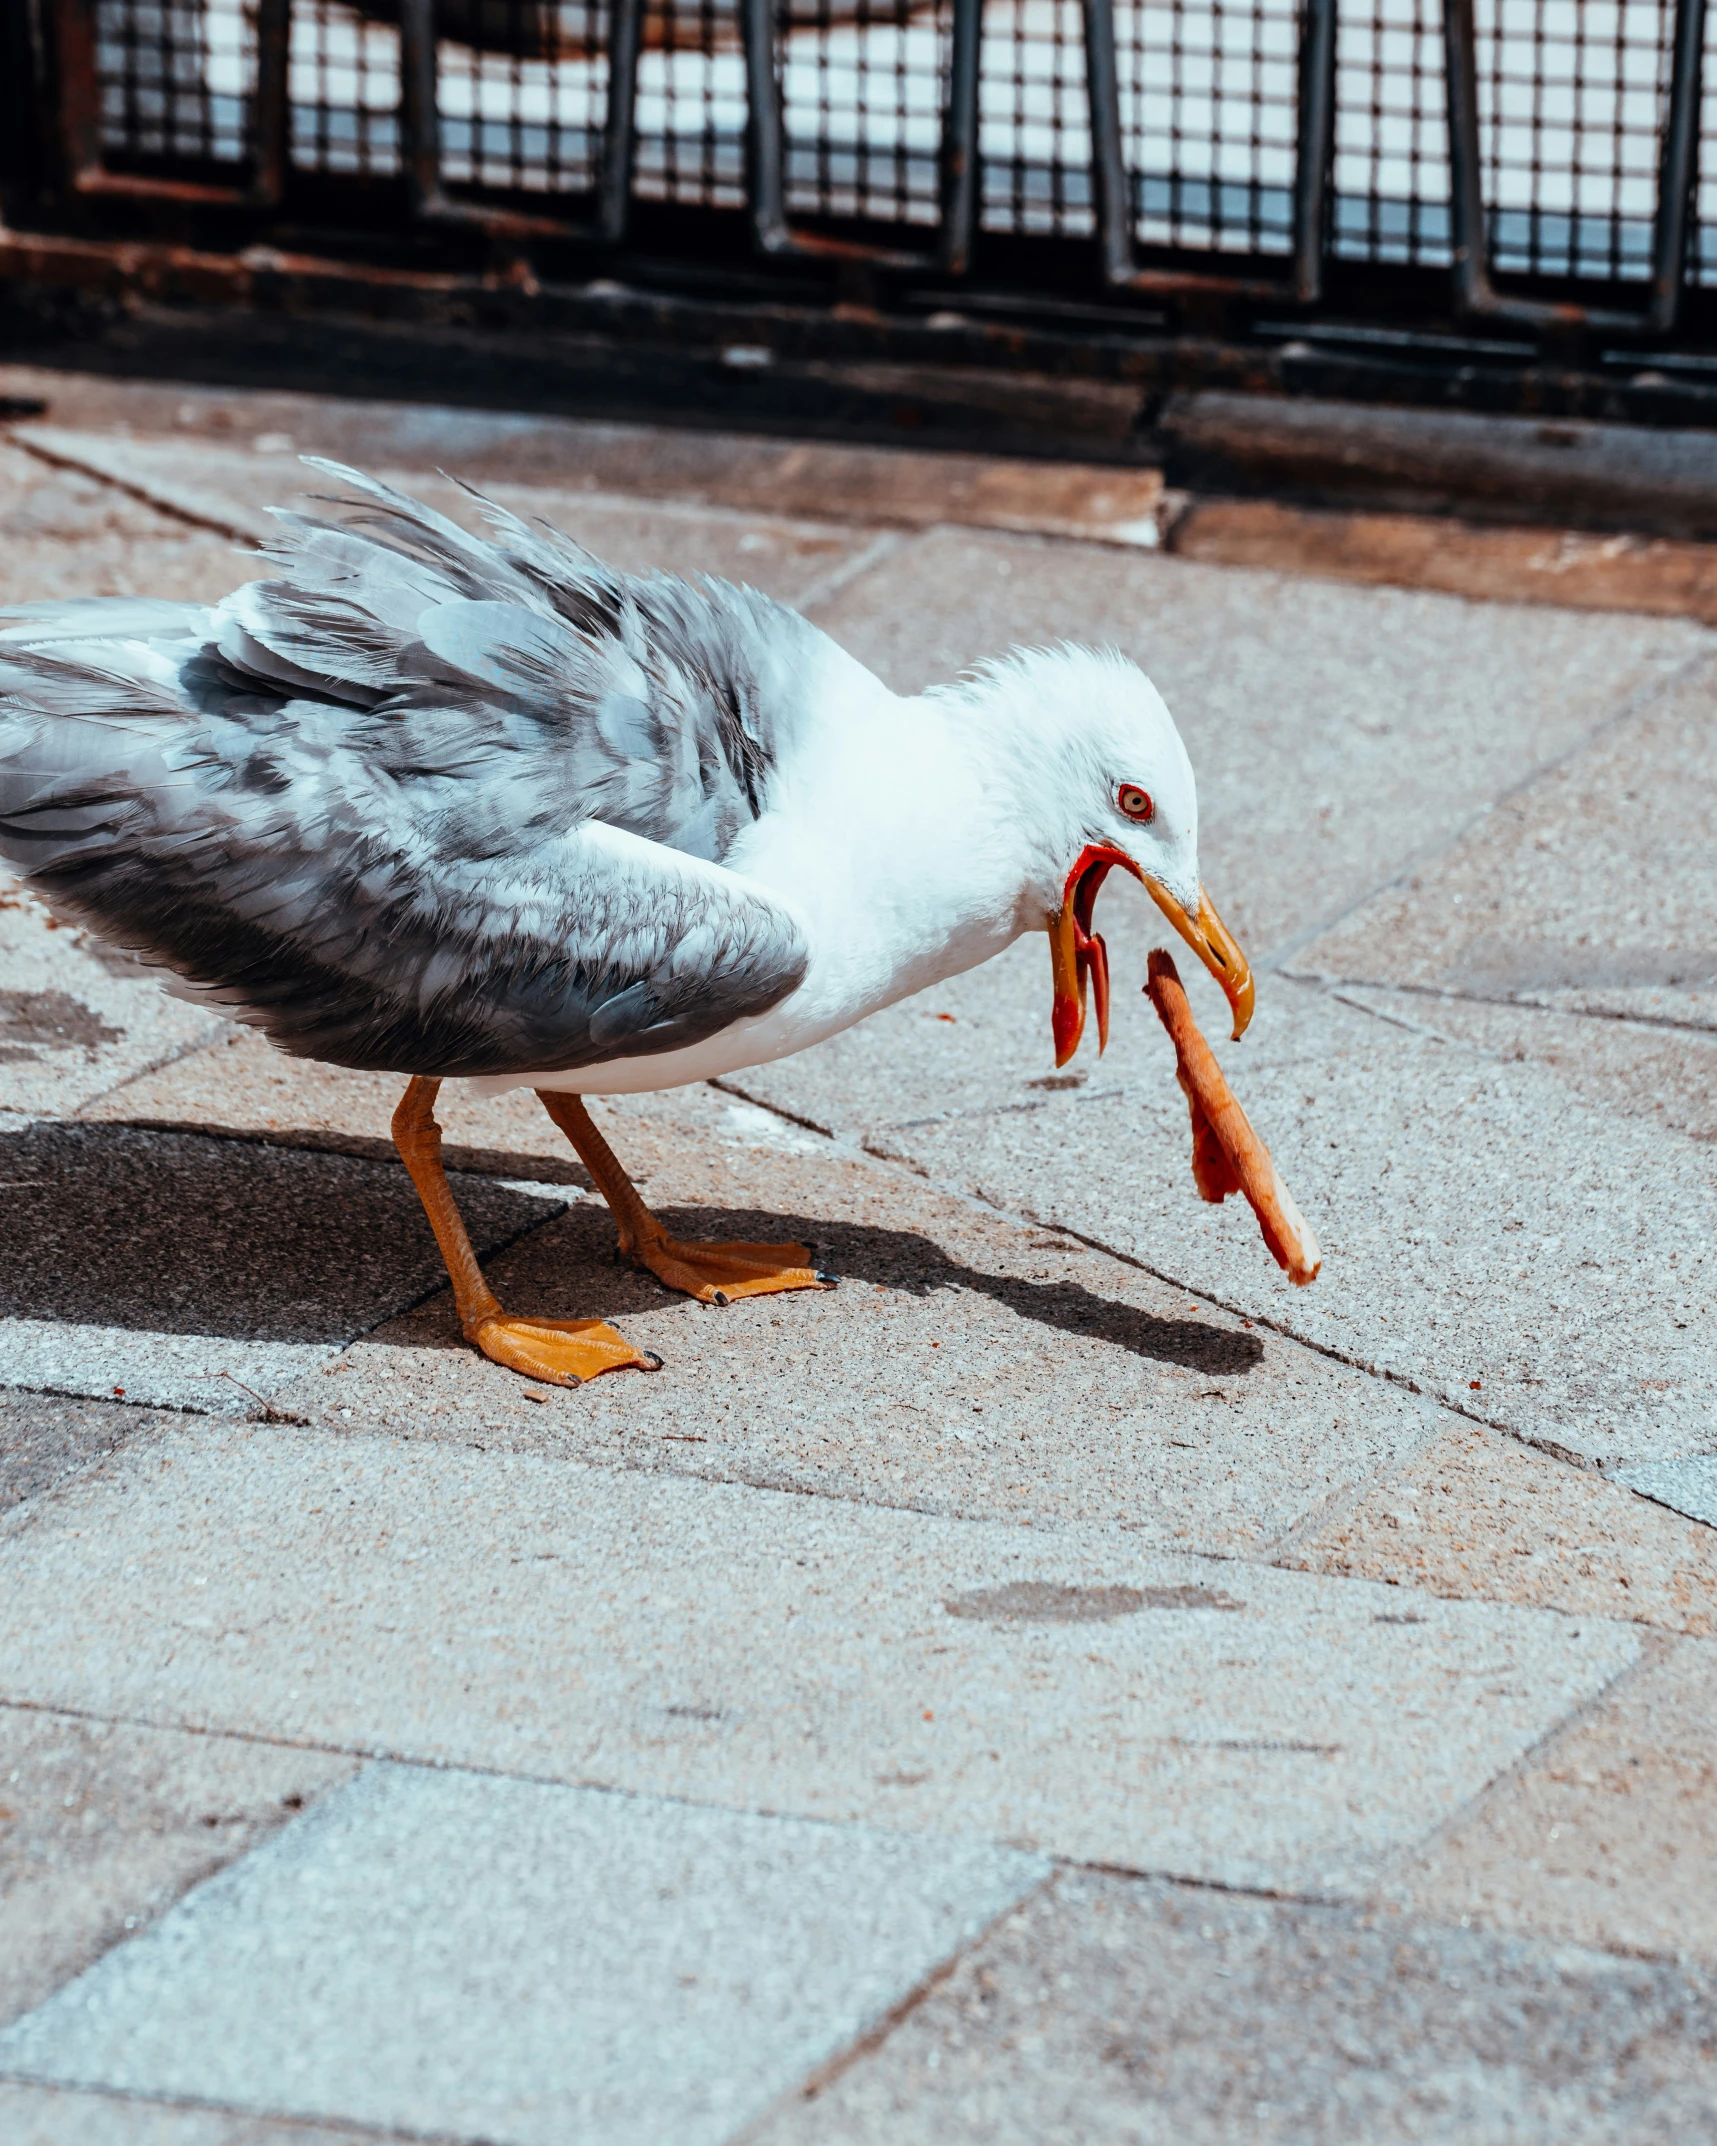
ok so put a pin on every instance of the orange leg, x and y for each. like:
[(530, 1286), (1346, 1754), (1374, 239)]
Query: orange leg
[(713, 1273), (563, 1352)]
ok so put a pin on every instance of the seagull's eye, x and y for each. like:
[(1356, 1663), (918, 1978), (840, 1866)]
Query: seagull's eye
[(1134, 802)]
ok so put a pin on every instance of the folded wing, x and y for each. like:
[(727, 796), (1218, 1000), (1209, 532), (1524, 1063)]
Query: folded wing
[(420, 801)]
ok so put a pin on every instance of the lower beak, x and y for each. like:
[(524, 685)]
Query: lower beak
[(1215, 945), (1079, 957)]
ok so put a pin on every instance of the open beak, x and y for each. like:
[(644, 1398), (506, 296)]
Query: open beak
[(1080, 960)]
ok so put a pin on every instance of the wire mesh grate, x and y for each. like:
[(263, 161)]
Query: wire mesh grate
[(864, 84), (522, 93), (1391, 134), (691, 105), (1210, 114), (343, 82), (1572, 101), (175, 78), (1034, 124), (1702, 246)]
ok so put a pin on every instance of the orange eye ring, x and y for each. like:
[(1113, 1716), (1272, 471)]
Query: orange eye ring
[(1135, 803)]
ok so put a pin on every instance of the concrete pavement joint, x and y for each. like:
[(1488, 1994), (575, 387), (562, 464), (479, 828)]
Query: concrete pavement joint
[(1655, 1648), (1643, 697), (854, 1149), (331, 2127), (1334, 987), (898, 2013), (882, 546), (194, 516)]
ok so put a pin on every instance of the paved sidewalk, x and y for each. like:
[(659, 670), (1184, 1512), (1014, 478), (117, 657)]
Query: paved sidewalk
[(1063, 1685)]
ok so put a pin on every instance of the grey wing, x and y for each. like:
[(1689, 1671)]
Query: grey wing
[(653, 704), (422, 804)]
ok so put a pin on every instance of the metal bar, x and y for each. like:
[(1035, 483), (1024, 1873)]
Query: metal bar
[(620, 135), (766, 176), (960, 171), (271, 110), (419, 117), (80, 98), (1108, 163), (1679, 169), (1476, 297), (1316, 148)]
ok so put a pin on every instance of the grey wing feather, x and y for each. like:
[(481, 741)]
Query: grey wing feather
[(420, 801)]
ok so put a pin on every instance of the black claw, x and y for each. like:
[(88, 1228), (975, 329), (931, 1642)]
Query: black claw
[(829, 1281), (652, 1362), (721, 1297)]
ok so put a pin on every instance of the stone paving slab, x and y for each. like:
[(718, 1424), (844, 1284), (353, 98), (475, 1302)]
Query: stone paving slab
[(965, 1366), (456, 1953), (1335, 731), (196, 1273), (1144, 2015), (1592, 889), (752, 1650), (1686, 1486), (1475, 1514), (1478, 1222), (76, 1017), (745, 472), (237, 486), (105, 1824), (1663, 1075), (65, 533), (242, 1087), (43, 1439), (998, 1363), (1608, 1836), (58, 2116)]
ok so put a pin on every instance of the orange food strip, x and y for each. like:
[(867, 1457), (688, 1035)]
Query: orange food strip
[(1227, 1155)]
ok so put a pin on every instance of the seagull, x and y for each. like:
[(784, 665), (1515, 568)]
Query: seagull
[(482, 808)]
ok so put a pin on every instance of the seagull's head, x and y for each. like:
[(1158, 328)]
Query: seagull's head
[(1107, 784)]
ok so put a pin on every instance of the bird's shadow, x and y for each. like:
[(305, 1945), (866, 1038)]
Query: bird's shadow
[(180, 1232), (864, 1253)]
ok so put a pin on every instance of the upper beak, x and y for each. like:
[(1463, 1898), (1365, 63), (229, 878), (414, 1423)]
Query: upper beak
[(1078, 954), (1215, 945)]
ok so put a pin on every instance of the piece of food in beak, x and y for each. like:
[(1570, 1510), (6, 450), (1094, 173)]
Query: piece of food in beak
[(1227, 1155)]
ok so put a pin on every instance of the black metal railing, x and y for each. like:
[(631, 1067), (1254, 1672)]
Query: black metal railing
[(1521, 166)]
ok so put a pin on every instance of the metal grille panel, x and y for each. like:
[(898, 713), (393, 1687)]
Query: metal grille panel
[(521, 103), (691, 105), (864, 83), (1210, 108), (1570, 107), (1034, 134), (343, 82), (1392, 140), (175, 78)]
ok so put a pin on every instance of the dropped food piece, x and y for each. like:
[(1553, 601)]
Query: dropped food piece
[(1227, 1155)]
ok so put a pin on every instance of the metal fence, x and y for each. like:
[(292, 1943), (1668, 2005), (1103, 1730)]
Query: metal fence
[(1534, 164)]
